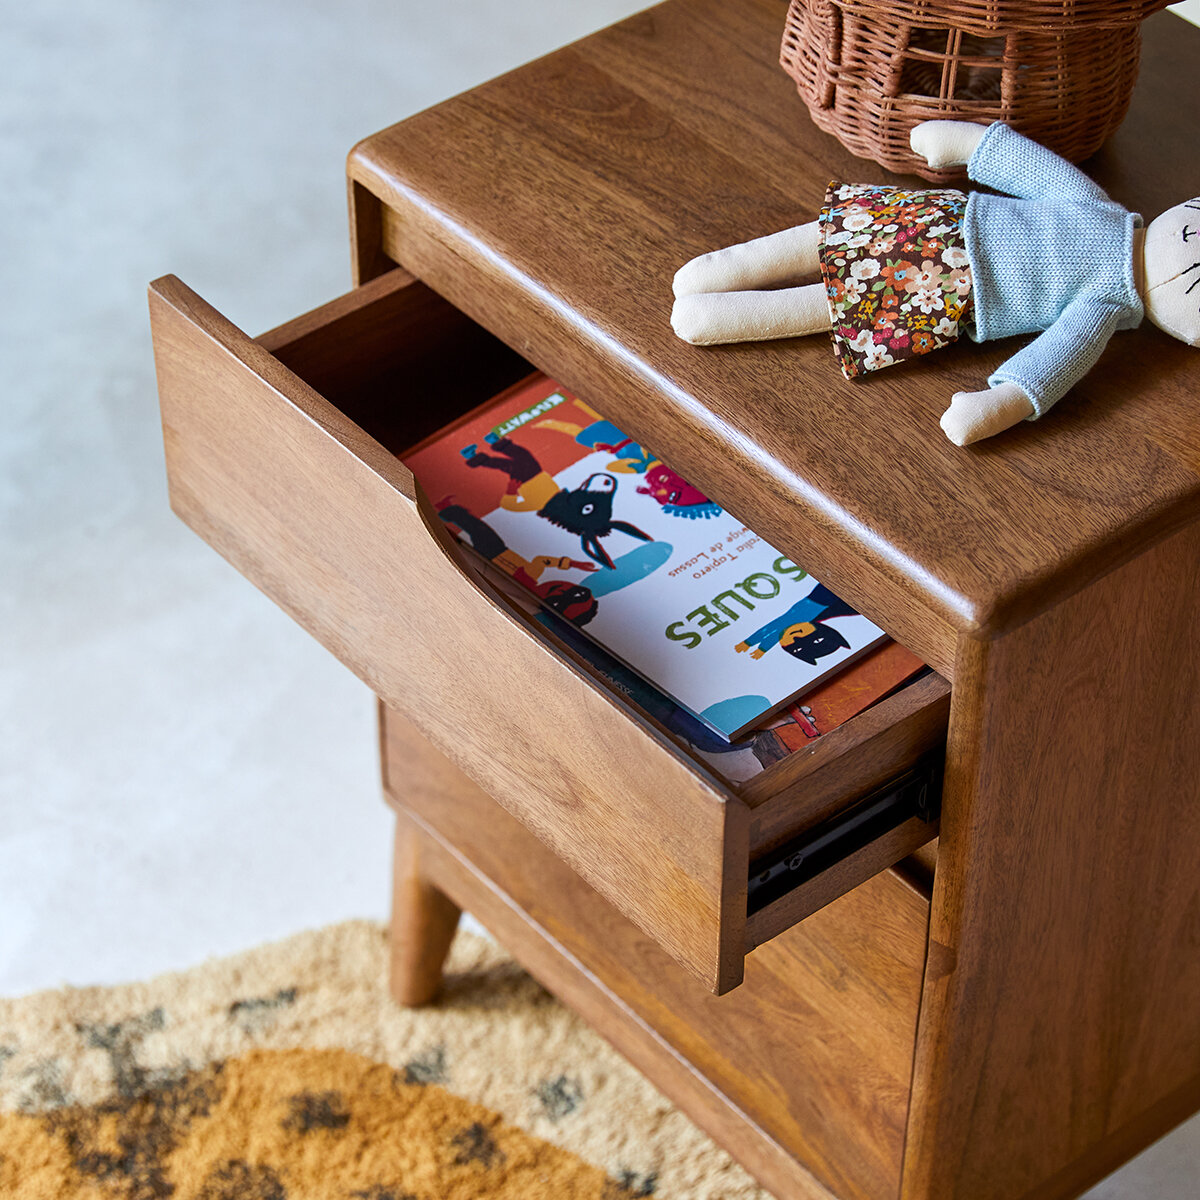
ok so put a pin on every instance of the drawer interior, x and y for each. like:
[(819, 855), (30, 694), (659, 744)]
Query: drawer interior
[(398, 361)]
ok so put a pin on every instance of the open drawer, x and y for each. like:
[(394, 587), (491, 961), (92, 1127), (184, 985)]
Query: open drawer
[(281, 452)]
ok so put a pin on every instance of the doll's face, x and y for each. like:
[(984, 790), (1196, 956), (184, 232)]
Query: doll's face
[(1172, 259)]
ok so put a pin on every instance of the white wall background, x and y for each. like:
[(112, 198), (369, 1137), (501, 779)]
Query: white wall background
[(184, 772)]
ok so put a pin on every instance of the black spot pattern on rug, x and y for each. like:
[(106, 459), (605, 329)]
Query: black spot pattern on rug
[(560, 1096), (120, 1042), (429, 1067), (148, 1126), (258, 1013), (316, 1110), (238, 1180), (45, 1089), (629, 1183), (475, 1144), (383, 1193)]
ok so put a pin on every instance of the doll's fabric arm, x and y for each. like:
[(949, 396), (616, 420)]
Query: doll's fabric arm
[(1057, 359), (1009, 162)]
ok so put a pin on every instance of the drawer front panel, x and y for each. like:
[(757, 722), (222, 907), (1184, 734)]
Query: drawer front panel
[(327, 522)]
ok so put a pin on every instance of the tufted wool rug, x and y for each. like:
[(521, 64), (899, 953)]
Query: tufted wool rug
[(287, 1073)]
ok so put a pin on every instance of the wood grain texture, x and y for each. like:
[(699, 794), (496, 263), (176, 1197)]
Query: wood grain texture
[(555, 203), (394, 358), (325, 521), (921, 866), (1050, 574), (802, 1073), (1060, 1029)]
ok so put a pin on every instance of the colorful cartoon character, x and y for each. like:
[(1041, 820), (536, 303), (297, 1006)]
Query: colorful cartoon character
[(570, 600), (802, 630), (600, 434), (677, 497), (585, 510)]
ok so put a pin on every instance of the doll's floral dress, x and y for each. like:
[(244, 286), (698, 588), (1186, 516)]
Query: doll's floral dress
[(896, 273)]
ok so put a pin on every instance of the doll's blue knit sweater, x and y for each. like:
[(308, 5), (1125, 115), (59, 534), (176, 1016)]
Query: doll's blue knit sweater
[(1054, 255)]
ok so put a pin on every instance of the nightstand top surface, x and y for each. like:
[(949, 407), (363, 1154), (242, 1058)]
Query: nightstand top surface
[(555, 203)]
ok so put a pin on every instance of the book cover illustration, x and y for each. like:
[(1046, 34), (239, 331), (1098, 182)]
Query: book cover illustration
[(607, 536)]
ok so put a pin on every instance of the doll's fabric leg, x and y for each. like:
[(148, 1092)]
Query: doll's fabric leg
[(973, 416), (714, 318), (791, 254)]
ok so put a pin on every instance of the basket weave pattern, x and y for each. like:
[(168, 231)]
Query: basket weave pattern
[(1061, 72)]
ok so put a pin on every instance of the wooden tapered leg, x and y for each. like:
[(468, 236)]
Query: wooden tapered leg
[(423, 922)]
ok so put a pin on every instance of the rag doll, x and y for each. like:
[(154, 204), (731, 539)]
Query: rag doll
[(905, 272)]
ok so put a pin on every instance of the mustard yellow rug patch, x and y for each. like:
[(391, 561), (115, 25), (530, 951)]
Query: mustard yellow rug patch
[(273, 1124)]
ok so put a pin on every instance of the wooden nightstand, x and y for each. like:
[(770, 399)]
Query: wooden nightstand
[(1011, 1016)]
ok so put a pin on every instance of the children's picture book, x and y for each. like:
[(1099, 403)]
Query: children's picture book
[(609, 538)]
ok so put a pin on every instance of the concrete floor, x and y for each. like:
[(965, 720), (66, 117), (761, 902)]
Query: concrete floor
[(184, 772)]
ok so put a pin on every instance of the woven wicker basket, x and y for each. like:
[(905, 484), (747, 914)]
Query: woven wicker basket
[(1060, 71)]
